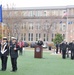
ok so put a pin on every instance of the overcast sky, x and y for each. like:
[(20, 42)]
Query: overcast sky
[(36, 3)]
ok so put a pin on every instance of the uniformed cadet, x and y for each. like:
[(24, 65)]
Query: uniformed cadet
[(4, 52), (14, 54)]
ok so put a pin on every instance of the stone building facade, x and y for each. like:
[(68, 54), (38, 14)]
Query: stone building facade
[(30, 24)]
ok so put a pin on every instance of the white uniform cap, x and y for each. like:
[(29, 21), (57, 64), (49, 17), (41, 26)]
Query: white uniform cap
[(13, 38), (4, 38)]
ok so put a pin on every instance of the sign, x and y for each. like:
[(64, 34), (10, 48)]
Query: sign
[(37, 49)]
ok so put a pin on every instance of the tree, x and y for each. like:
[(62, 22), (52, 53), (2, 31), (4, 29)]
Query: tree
[(49, 26), (58, 38), (13, 20)]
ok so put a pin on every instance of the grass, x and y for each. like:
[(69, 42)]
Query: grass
[(48, 65)]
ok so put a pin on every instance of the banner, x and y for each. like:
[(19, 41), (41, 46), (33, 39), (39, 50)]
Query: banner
[(0, 13)]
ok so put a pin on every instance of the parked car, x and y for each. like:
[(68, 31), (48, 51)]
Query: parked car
[(33, 44), (44, 45), (26, 44)]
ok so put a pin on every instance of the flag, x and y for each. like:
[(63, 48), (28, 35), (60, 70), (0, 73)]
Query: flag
[(65, 14), (0, 13)]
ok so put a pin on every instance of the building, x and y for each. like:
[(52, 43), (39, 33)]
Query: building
[(31, 23)]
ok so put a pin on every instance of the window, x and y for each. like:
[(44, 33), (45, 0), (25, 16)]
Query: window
[(24, 26), (31, 25), (38, 35), (38, 26), (64, 27), (25, 13), (24, 36), (52, 35), (46, 26), (54, 26), (30, 38), (30, 13), (60, 26), (21, 36), (47, 37), (21, 26), (39, 13), (35, 13), (44, 37), (46, 13)]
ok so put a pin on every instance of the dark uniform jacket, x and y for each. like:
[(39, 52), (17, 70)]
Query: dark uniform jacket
[(14, 53), (60, 45), (63, 46), (5, 51), (40, 43), (72, 47)]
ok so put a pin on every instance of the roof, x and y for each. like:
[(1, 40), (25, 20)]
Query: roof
[(41, 8)]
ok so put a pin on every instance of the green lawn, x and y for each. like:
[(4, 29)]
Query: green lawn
[(48, 65)]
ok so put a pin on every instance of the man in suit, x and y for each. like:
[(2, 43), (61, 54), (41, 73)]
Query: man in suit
[(72, 50), (57, 47), (60, 47), (14, 54), (64, 48), (4, 52)]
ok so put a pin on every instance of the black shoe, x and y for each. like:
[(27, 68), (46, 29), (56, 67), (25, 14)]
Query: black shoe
[(2, 70), (13, 70), (16, 69)]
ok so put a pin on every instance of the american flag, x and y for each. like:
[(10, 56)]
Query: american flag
[(65, 14)]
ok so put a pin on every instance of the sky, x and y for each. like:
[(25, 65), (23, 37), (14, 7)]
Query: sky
[(35, 3)]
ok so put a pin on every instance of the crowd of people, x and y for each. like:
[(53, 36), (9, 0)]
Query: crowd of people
[(9, 48), (66, 49)]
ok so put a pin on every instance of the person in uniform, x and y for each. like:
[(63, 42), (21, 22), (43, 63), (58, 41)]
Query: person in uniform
[(72, 50), (64, 48), (14, 54), (40, 42), (60, 47), (57, 47), (4, 52)]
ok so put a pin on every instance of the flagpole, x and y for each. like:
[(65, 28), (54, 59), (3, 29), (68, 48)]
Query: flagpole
[(1, 20), (2, 29), (67, 27)]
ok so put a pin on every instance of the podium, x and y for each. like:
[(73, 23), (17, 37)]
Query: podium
[(38, 52)]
